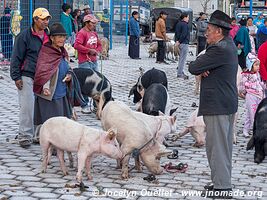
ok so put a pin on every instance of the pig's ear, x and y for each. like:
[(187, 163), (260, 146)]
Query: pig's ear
[(141, 70), (132, 91), (173, 111), (161, 113), (111, 133)]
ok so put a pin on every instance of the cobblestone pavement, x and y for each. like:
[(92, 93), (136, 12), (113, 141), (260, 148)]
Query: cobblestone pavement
[(20, 169)]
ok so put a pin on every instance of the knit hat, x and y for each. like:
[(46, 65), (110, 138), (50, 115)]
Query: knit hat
[(250, 60), (57, 29)]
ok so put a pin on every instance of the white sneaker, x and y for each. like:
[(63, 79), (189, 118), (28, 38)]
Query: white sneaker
[(86, 110)]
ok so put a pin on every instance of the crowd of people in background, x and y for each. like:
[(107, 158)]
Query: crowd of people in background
[(228, 43), (248, 34), (41, 90), (72, 21)]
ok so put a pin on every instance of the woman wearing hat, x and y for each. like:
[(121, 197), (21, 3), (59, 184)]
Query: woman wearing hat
[(51, 77)]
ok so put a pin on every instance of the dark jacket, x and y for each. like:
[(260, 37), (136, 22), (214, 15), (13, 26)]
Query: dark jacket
[(134, 27), (218, 92), (24, 55), (182, 33), (201, 27), (262, 35)]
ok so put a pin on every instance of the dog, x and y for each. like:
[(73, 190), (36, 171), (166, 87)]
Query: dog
[(105, 49)]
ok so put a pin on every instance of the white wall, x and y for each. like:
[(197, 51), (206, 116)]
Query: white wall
[(196, 5)]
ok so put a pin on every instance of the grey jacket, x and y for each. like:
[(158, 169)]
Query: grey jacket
[(218, 91), (201, 28)]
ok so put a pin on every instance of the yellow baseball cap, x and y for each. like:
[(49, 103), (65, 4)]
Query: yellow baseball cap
[(42, 13)]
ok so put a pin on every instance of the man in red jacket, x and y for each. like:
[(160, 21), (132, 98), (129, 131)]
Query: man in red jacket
[(88, 47), (262, 55)]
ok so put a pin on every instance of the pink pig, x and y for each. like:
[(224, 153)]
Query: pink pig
[(68, 135), (196, 126)]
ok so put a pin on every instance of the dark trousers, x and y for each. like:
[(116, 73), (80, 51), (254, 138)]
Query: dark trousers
[(242, 60), (134, 47), (201, 44), (161, 50)]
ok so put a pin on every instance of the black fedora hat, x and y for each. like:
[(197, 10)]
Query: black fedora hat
[(220, 19)]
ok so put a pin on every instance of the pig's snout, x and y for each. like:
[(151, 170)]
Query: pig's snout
[(119, 155), (157, 170)]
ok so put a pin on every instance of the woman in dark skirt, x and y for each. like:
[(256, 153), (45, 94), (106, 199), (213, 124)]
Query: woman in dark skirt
[(134, 45), (50, 78)]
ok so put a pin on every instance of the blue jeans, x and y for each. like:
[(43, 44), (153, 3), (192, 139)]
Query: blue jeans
[(88, 65)]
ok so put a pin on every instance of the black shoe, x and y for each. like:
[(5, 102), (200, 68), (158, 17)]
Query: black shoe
[(209, 186), (72, 61), (24, 141), (137, 58)]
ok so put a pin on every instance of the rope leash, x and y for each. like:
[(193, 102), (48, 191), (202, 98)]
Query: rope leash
[(178, 168)]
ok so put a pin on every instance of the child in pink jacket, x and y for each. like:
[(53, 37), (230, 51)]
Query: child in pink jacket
[(252, 89)]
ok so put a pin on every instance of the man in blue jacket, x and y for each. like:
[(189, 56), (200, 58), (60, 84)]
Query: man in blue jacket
[(22, 70), (182, 36), (218, 101)]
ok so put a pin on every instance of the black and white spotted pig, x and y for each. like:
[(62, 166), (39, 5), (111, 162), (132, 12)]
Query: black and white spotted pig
[(94, 85), (259, 138), (144, 81)]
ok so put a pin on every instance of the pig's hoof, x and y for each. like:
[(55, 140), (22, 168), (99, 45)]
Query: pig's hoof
[(198, 145), (65, 173), (139, 168), (43, 171), (90, 177), (125, 176), (118, 166)]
